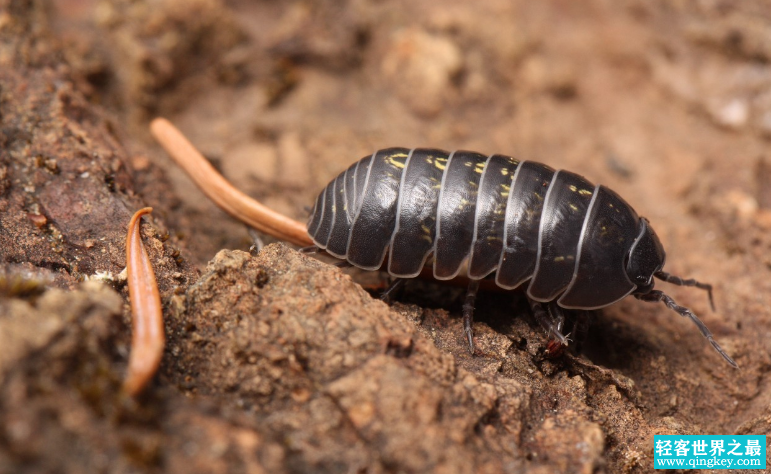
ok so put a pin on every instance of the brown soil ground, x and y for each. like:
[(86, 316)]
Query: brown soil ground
[(277, 362)]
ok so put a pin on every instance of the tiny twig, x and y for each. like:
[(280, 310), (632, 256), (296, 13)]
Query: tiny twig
[(221, 192), (147, 340)]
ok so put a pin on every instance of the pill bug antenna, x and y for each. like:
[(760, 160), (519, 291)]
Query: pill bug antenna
[(392, 289), (676, 280), (656, 296)]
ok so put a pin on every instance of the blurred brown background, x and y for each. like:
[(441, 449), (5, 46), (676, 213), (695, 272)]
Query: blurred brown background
[(279, 364)]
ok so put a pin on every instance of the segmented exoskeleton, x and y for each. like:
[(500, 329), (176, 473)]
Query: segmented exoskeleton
[(575, 245)]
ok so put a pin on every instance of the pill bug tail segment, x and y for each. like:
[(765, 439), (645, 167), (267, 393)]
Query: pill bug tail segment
[(676, 280), (656, 296), (224, 194), (148, 339)]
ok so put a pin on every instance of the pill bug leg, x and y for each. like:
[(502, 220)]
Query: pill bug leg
[(310, 249), (656, 296), (343, 264), (557, 317), (578, 321), (676, 280), (388, 295), (257, 243), (468, 312), (547, 321)]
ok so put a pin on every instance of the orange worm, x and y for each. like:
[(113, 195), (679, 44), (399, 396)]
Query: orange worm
[(224, 194), (147, 340)]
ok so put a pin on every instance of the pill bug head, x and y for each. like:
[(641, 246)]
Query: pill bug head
[(646, 257)]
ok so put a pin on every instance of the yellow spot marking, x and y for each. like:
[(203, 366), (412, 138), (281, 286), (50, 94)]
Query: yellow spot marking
[(559, 259), (573, 188), (504, 171), (585, 192), (573, 206), (396, 163)]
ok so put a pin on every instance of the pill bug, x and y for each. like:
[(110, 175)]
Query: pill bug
[(571, 244)]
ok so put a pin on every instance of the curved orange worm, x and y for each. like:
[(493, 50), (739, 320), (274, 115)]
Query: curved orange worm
[(219, 190), (148, 339)]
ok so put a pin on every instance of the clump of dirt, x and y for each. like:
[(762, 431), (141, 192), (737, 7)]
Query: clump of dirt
[(67, 180), (303, 353), (277, 362), (61, 368)]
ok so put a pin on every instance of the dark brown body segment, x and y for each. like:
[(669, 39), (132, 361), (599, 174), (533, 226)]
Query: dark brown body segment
[(456, 211), (341, 222), (321, 235), (490, 217), (413, 238), (370, 233), (562, 219), (316, 214), (523, 218)]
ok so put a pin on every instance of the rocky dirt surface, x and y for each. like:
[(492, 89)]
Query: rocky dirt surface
[(277, 362)]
